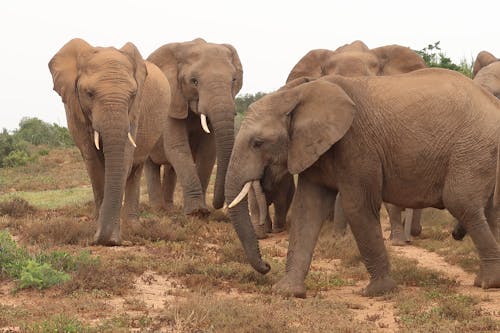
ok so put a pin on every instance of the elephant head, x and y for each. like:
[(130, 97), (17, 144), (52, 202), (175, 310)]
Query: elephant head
[(101, 89), (356, 59), (284, 132), (204, 78), (486, 72)]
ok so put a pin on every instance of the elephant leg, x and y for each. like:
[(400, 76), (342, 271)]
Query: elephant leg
[(282, 199), (416, 226), (130, 209), (168, 186), (397, 236), (338, 216), (179, 155), (205, 160), (95, 169), (309, 209), (363, 213), (153, 181), (474, 221)]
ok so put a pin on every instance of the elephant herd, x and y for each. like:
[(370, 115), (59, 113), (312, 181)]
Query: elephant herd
[(356, 127)]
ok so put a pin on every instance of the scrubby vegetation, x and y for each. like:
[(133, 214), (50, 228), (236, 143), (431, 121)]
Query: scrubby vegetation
[(435, 57), (16, 148)]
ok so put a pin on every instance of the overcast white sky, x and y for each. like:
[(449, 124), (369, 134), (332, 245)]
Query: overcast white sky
[(270, 36)]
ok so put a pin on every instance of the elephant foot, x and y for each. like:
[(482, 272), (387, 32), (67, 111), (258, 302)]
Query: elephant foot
[(200, 212), (399, 242), (260, 231), (379, 286), (488, 276), (278, 229), (113, 240), (287, 287)]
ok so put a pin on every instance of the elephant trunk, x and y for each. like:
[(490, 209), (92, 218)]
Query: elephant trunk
[(115, 172), (220, 109), (241, 220), (224, 140)]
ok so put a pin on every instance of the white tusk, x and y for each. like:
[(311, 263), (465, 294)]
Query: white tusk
[(241, 195), (131, 140), (204, 123), (96, 139)]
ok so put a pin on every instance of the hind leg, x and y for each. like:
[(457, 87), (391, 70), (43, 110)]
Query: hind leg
[(397, 236), (493, 217), (473, 218)]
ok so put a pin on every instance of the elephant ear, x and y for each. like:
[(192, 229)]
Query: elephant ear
[(168, 59), (239, 69), (483, 59), (64, 68), (297, 82), (311, 64), (322, 116), (396, 59), (140, 70)]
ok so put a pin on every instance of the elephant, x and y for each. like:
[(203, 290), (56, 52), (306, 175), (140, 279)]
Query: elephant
[(373, 139), (486, 73), (115, 104), (204, 80), (354, 59)]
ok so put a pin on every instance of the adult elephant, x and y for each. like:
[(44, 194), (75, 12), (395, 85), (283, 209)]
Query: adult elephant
[(116, 105), (354, 59), (204, 78), (348, 135)]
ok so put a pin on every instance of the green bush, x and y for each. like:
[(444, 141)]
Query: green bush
[(41, 271), (243, 101), (13, 150), (37, 132)]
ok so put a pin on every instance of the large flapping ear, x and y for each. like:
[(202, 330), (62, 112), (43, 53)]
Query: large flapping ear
[(484, 58), (321, 118), (239, 69), (396, 59), (168, 58), (64, 68), (311, 64)]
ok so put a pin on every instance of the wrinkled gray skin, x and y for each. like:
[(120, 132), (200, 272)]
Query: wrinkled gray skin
[(113, 92), (354, 59), (348, 135), (486, 73), (204, 79)]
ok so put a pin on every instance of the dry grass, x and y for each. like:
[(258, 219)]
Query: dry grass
[(16, 207), (215, 289)]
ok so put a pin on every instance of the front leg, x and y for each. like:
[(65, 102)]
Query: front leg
[(311, 205), (204, 153), (95, 169), (362, 210), (178, 152), (130, 209)]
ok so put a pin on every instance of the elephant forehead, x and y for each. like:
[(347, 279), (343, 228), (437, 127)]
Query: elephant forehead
[(208, 51), (109, 58)]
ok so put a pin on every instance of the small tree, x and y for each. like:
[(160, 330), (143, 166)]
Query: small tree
[(434, 57)]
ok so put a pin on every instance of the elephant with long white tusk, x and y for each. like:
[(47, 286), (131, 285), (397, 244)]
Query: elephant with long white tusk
[(205, 78)]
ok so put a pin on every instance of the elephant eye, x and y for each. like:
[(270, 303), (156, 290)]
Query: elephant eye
[(234, 79), (90, 94), (194, 81), (257, 143)]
